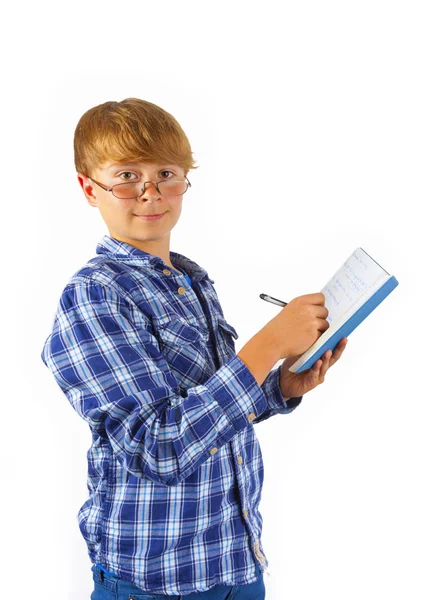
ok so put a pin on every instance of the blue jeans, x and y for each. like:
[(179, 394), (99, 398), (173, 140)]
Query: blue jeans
[(108, 587)]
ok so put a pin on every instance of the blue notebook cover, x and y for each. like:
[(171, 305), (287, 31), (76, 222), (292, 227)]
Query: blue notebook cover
[(354, 321)]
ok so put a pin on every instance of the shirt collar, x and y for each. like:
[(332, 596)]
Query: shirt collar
[(117, 250)]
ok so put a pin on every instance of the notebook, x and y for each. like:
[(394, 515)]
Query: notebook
[(355, 290)]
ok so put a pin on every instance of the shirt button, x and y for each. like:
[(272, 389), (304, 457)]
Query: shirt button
[(181, 290), (251, 416), (245, 513), (240, 460), (167, 272), (213, 451)]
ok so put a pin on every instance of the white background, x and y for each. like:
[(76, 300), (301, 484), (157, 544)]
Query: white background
[(306, 120)]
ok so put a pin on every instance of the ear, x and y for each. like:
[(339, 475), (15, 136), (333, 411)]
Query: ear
[(88, 189)]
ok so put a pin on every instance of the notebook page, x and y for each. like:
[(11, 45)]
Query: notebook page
[(351, 286), (352, 282)]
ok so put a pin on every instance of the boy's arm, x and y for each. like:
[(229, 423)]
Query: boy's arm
[(276, 403), (259, 356), (109, 365)]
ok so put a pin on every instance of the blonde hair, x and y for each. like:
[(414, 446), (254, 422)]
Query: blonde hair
[(130, 130)]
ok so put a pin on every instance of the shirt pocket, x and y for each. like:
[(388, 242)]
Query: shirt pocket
[(184, 346), (227, 334), (176, 332)]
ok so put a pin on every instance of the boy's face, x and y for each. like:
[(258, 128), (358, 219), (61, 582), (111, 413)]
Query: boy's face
[(121, 215)]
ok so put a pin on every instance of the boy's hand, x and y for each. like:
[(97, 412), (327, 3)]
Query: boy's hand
[(293, 385), (297, 326)]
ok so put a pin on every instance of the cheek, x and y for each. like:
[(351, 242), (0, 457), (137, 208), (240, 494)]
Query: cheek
[(116, 214), (176, 206)]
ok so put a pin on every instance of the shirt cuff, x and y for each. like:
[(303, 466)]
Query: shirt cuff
[(276, 403), (236, 390)]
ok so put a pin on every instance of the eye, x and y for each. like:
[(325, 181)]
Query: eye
[(126, 173), (136, 176), (166, 171)]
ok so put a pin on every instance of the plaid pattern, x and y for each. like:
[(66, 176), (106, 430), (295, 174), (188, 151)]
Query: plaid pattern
[(175, 470)]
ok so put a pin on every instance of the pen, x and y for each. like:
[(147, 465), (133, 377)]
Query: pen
[(273, 300)]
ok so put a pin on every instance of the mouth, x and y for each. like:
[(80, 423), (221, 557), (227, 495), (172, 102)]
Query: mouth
[(151, 217)]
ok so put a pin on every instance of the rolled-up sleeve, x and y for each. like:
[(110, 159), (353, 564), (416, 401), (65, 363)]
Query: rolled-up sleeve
[(275, 402), (105, 358)]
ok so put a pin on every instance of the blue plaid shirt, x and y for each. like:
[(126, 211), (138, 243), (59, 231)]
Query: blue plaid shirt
[(175, 470)]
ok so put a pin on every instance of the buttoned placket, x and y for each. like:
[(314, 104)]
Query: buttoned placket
[(181, 290)]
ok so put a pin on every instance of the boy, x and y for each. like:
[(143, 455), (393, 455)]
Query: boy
[(143, 352)]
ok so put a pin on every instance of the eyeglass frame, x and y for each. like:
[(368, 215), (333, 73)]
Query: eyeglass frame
[(110, 189)]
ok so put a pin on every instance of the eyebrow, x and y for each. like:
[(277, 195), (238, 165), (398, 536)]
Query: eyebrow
[(135, 164)]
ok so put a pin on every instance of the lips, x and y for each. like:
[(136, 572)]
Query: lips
[(150, 215)]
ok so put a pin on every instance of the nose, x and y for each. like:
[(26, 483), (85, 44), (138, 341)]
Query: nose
[(152, 190)]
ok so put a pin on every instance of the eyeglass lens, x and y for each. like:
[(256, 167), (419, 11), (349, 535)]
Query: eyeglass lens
[(133, 190)]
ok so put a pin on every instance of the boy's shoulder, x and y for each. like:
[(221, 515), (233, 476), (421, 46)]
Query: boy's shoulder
[(123, 267), (108, 273)]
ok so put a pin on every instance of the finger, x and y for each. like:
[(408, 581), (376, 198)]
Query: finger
[(325, 365), (314, 377), (318, 364), (338, 350), (319, 369), (322, 365)]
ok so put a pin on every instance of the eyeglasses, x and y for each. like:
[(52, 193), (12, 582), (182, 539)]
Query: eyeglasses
[(135, 189)]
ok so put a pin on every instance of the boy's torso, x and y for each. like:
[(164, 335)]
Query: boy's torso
[(135, 526)]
